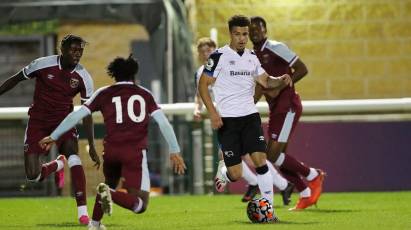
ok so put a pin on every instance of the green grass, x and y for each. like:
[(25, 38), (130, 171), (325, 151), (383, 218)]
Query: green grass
[(390, 210)]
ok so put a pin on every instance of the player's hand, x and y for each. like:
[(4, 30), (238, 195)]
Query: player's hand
[(94, 156), (46, 143), (197, 115), (287, 80), (177, 163), (216, 121)]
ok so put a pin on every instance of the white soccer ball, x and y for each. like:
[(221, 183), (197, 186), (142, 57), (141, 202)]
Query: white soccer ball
[(261, 211)]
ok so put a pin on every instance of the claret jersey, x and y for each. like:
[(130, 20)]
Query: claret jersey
[(126, 109), (55, 88), (277, 59)]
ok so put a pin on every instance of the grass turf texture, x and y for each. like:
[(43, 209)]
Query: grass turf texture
[(389, 210)]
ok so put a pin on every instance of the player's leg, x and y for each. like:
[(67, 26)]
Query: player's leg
[(136, 181), (69, 147), (35, 171), (250, 177), (132, 166), (253, 142), (103, 201), (247, 174), (230, 142), (274, 149), (281, 125)]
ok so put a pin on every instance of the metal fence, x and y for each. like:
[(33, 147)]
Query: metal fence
[(197, 141)]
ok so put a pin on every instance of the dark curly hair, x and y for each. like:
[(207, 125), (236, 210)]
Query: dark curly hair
[(122, 69), (238, 20), (258, 19), (70, 39)]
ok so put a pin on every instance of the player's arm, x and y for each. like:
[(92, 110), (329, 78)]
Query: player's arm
[(258, 92), (205, 81), (12, 81), (89, 130), (168, 133), (271, 82), (69, 122), (299, 70), (198, 106)]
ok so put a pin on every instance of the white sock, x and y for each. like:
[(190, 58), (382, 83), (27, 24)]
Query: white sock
[(138, 206), (265, 183), (95, 223), (248, 175), (60, 165), (224, 173), (313, 174), (305, 193), (278, 180), (82, 211), (280, 160)]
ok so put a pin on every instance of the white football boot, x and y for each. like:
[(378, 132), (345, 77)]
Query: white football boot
[(106, 202), (219, 180)]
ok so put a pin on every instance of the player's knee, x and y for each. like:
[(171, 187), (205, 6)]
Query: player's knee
[(73, 160), (235, 175), (273, 154), (143, 209), (140, 206), (261, 170)]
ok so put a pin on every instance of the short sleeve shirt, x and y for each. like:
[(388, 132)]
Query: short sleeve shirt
[(55, 87), (235, 80)]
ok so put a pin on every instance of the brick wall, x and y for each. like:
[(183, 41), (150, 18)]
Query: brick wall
[(353, 49)]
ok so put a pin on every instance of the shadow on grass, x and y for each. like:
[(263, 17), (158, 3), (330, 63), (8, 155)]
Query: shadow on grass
[(282, 222), (331, 210), (73, 225)]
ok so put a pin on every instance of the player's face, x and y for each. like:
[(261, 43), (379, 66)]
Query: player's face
[(203, 53), (73, 53), (257, 32), (239, 37)]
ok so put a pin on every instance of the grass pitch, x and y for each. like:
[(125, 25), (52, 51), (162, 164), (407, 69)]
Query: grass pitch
[(389, 210)]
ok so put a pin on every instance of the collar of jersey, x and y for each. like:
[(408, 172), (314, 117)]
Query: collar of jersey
[(124, 83), (58, 61)]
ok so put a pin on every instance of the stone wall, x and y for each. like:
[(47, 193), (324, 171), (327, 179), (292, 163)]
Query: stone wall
[(353, 49)]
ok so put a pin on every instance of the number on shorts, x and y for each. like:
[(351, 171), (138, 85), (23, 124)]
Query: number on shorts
[(130, 109)]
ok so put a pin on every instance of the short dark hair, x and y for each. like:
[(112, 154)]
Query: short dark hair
[(70, 39), (238, 20), (206, 41), (258, 19), (122, 69)]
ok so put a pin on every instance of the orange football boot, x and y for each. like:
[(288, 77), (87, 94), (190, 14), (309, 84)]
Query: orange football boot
[(316, 186), (302, 203)]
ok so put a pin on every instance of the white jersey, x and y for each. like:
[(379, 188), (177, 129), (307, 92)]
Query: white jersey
[(197, 81), (235, 80)]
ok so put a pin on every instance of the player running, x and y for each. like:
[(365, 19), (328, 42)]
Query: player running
[(285, 111), (59, 78)]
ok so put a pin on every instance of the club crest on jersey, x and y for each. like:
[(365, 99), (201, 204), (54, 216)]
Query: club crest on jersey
[(74, 83), (210, 64)]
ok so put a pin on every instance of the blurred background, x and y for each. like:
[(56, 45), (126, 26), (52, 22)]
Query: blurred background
[(353, 50)]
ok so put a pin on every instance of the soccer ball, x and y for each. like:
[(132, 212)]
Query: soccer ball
[(261, 211)]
